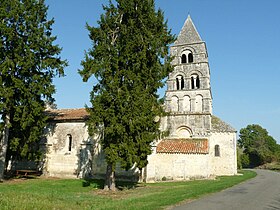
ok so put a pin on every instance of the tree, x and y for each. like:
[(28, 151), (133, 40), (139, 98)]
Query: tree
[(28, 62), (129, 58), (257, 144)]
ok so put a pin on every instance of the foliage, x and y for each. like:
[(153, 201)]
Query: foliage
[(244, 160), (74, 194), (239, 163), (129, 58), (258, 146), (277, 153), (272, 166), (28, 63)]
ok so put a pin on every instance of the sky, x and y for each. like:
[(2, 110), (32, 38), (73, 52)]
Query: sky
[(243, 43)]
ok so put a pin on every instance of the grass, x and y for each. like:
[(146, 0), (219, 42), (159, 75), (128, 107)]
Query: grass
[(81, 194)]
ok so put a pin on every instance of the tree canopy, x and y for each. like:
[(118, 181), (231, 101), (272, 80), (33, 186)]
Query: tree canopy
[(258, 145), (129, 59), (29, 60)]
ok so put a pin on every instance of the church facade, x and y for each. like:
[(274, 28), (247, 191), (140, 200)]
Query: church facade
[(199, 145)]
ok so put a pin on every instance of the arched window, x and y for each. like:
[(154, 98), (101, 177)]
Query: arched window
[(69, 136), (177, 84), (190, 58), (217, 150), (184, 59), (180, 82), (195, 82), (192, 83)]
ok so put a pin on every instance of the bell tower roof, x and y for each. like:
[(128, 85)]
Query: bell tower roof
[(188, 33)]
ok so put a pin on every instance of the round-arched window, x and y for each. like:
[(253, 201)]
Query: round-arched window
[(183, 58), (187, 57)]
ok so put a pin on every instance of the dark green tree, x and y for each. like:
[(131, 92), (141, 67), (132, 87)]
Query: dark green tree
[(129, 59), (29, 60), (258, 145)]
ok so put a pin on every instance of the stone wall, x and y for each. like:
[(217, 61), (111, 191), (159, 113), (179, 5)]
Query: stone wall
[(87, 159), (65, 158), (84, 159), (226, 162), (195, 166), (177, 167)]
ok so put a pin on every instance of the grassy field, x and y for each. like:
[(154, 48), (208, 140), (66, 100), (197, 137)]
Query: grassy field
[(80, 194)]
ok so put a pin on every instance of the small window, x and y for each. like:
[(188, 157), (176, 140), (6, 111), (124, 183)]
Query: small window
[(177, 84), (195, 82), (192, 81), (184, 58), (69, 142), (217, 151), (190, 58), (180, 84)]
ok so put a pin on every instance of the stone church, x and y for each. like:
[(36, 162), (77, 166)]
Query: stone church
[(199, 144)]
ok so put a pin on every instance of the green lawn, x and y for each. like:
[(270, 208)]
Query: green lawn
[(79, 194)]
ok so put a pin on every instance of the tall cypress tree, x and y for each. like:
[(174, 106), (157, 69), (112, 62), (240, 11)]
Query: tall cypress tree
[(29, 60), (129, 58)]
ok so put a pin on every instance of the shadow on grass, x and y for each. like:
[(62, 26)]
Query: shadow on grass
[(99, 184), (95, 183), (12, 176)]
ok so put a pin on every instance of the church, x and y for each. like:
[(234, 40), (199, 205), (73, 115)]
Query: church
[(199, 144)]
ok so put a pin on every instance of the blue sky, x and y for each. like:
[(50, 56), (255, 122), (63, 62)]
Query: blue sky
[(243, 42)]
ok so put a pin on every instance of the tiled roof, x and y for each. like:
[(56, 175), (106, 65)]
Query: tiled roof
[(185, 146), (188, 33), (220, 126), (67, 114)]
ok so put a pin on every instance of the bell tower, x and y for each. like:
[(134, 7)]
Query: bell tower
[(188, 95)]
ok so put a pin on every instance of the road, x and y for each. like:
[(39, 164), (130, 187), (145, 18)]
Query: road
[(259, 193)]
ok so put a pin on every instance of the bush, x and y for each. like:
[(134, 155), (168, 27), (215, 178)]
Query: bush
[(244, 160), (239, 163)]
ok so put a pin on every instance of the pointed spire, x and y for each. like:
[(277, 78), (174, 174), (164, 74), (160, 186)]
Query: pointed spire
[(188, 33)]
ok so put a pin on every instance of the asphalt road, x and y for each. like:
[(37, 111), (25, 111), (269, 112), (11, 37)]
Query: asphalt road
[(259, 193)]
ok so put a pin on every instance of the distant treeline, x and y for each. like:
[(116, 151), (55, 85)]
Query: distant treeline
[(256, 147)]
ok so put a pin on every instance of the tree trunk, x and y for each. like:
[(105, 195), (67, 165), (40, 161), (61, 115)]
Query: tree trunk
[(4, 146), (140, 175), (110, 178)]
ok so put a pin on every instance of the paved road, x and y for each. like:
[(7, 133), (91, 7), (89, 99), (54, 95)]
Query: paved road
[(259, 193)]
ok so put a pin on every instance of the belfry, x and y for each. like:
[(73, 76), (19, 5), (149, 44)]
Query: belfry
[(188, 95), (198, 144)]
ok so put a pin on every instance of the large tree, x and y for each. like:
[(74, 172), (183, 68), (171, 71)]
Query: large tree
[(257, 144), (129, 59), (29, 60)]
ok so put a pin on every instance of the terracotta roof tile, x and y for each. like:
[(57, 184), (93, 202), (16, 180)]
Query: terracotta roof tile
[(67, 114), (185, 146)]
